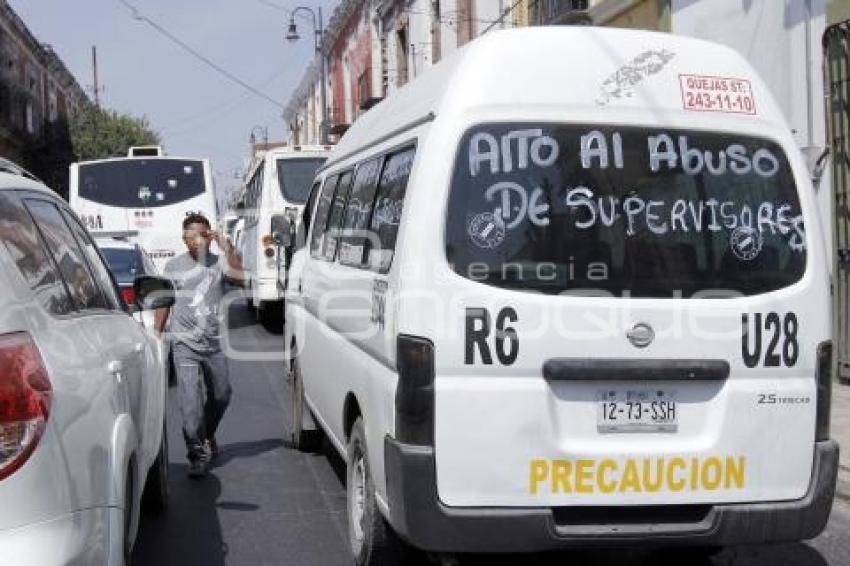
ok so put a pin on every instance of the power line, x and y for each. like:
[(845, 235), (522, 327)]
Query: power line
[(222, 108), (287, 11), (213, 65)]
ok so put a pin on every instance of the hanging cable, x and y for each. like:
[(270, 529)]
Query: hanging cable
[(192, 51)]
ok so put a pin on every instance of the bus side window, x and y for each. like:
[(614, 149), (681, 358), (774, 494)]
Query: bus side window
[(388, 207), (320, 222)]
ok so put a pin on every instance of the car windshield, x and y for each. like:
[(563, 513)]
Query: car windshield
[(125, 264), (643, 212), (141, 183), (296, 177)]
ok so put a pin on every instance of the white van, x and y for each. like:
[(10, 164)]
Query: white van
[(565, 300), (276, 188)]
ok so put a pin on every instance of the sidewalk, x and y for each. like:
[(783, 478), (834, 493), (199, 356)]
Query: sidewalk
[(841, 432)]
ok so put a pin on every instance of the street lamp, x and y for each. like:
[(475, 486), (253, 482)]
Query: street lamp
[(264, 131), (319, 32)]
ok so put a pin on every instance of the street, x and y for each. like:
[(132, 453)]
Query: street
[(264, 503)]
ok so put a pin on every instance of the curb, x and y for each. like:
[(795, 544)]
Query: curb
[(842, 486)]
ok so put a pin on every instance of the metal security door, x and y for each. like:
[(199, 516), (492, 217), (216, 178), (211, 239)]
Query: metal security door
[(836, 44)]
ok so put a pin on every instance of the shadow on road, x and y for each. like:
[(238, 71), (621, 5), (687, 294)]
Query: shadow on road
[(188, 533), (250, 449)]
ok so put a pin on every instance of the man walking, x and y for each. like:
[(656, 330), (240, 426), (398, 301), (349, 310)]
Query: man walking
[(193, 326)]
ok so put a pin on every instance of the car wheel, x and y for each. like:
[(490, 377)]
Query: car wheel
[(301, 438), (371, 538), (155, 496)]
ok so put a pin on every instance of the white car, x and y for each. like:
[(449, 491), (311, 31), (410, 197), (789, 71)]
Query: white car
[(82, 402)]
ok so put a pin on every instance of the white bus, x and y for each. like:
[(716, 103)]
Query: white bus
[(276, 188), (146, 194), (580, 301)]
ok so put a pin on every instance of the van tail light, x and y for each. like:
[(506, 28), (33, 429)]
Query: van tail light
[(25, 398), (823, 376), (414, 397), (268, 241), (128, 294)]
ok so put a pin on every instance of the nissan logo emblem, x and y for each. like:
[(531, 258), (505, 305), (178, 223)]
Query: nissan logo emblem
[(641, 335)]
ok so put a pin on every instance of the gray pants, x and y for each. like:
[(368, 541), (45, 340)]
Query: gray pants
[(204, 393)]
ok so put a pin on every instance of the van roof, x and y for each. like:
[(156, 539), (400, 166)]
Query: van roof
[(554, 66), (296, 150)]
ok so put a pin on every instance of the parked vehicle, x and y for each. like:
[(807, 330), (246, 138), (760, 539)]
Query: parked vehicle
[(82, 407), (572, 301), (127, 261), (276, 189), (147, 193)]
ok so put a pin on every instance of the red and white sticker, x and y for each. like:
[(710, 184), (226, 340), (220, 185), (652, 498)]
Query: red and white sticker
[(717, 94)]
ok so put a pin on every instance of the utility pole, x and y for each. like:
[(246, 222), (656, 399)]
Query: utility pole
[(96, 86)]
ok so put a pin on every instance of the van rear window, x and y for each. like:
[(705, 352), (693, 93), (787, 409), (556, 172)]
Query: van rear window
[(642, 212)]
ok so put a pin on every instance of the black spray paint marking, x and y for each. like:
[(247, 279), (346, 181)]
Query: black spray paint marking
[(623, 82)]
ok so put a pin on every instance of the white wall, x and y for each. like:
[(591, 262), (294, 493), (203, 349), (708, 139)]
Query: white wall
[(771, 34)]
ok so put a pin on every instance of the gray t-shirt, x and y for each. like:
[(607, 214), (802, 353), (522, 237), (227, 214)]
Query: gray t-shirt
[(194, 319)]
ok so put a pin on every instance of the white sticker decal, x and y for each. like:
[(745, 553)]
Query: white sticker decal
[(717, 94), (486, 230), (746, 243)]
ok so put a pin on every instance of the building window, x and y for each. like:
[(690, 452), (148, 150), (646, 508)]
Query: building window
[(436, 25), (52, 106), (363, 94), (401, 55), (465, 22), (30, 117)]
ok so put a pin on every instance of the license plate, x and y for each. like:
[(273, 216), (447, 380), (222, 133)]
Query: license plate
[(637, 410)]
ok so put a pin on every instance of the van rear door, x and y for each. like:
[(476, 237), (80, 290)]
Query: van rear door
[(637, 321)]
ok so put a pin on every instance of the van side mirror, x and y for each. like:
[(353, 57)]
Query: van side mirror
[(282, 231), (153, 292)]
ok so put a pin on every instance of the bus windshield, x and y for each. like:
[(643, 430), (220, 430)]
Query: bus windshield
[(296, 177), (141, 183)]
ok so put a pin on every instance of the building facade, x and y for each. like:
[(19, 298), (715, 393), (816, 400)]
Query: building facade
[(38, 95)]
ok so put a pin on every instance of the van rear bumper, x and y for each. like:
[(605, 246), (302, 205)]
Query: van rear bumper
[(419, 517)]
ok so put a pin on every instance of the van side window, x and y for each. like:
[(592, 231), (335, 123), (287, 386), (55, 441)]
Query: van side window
[(320, 222), (101, 272), (388, 207), (307, 215), (358, 213), (67, 255), (332, 231), (20, 237)]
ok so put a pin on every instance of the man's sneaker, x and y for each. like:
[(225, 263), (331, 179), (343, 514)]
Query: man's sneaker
[(198, 466), (211, 447)]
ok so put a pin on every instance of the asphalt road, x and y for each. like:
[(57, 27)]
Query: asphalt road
[(264, 503)]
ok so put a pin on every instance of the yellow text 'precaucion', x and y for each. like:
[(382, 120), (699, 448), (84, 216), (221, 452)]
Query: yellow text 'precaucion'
[(637, 475)]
